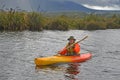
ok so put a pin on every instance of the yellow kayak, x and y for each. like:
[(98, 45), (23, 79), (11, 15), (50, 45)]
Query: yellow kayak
[(62, 59)]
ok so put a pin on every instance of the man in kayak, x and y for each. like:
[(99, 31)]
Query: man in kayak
[(71, 51)]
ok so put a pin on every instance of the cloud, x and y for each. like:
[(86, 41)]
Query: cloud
[(100, 4), (114, 7), (97, 2)]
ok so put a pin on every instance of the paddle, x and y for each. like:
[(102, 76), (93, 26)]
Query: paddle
[(74, 43)]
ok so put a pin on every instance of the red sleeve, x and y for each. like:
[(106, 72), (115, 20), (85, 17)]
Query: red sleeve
[(77, 48), (63, 51)]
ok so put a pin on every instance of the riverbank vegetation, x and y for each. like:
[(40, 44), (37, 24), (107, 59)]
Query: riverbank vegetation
[(18, 21)]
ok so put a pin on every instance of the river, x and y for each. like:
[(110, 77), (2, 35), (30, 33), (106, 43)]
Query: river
[(18, 50)]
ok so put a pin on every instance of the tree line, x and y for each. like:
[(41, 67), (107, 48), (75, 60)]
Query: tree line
[(34, 21)]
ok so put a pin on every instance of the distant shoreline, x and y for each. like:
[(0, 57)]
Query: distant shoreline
[(34, 21)]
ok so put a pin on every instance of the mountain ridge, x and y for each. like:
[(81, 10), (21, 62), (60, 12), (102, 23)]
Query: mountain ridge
[(46, 6)]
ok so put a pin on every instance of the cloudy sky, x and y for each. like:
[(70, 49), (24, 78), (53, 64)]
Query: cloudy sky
[(93, 4), (100, 4)]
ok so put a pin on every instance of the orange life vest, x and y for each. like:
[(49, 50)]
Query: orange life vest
[(71, 51)]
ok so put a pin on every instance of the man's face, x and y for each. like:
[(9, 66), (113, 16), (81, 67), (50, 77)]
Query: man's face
[(71, 41)]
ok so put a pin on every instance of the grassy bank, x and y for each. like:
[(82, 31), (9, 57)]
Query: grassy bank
[(33, 21), (19, 21)]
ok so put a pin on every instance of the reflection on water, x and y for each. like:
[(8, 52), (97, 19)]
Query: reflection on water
[(52, 67), (71, 71)]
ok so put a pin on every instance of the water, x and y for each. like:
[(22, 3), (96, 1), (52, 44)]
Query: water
[(18, 50)]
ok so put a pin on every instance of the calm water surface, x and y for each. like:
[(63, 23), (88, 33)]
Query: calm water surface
[(18, 50)]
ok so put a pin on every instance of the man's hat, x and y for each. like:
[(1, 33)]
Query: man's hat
[(71, 37)]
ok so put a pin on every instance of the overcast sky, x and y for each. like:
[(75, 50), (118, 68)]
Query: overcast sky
[(93, 4), (100, 4)]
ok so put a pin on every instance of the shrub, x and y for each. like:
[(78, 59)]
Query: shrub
[(58, 24), (35, 21)]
